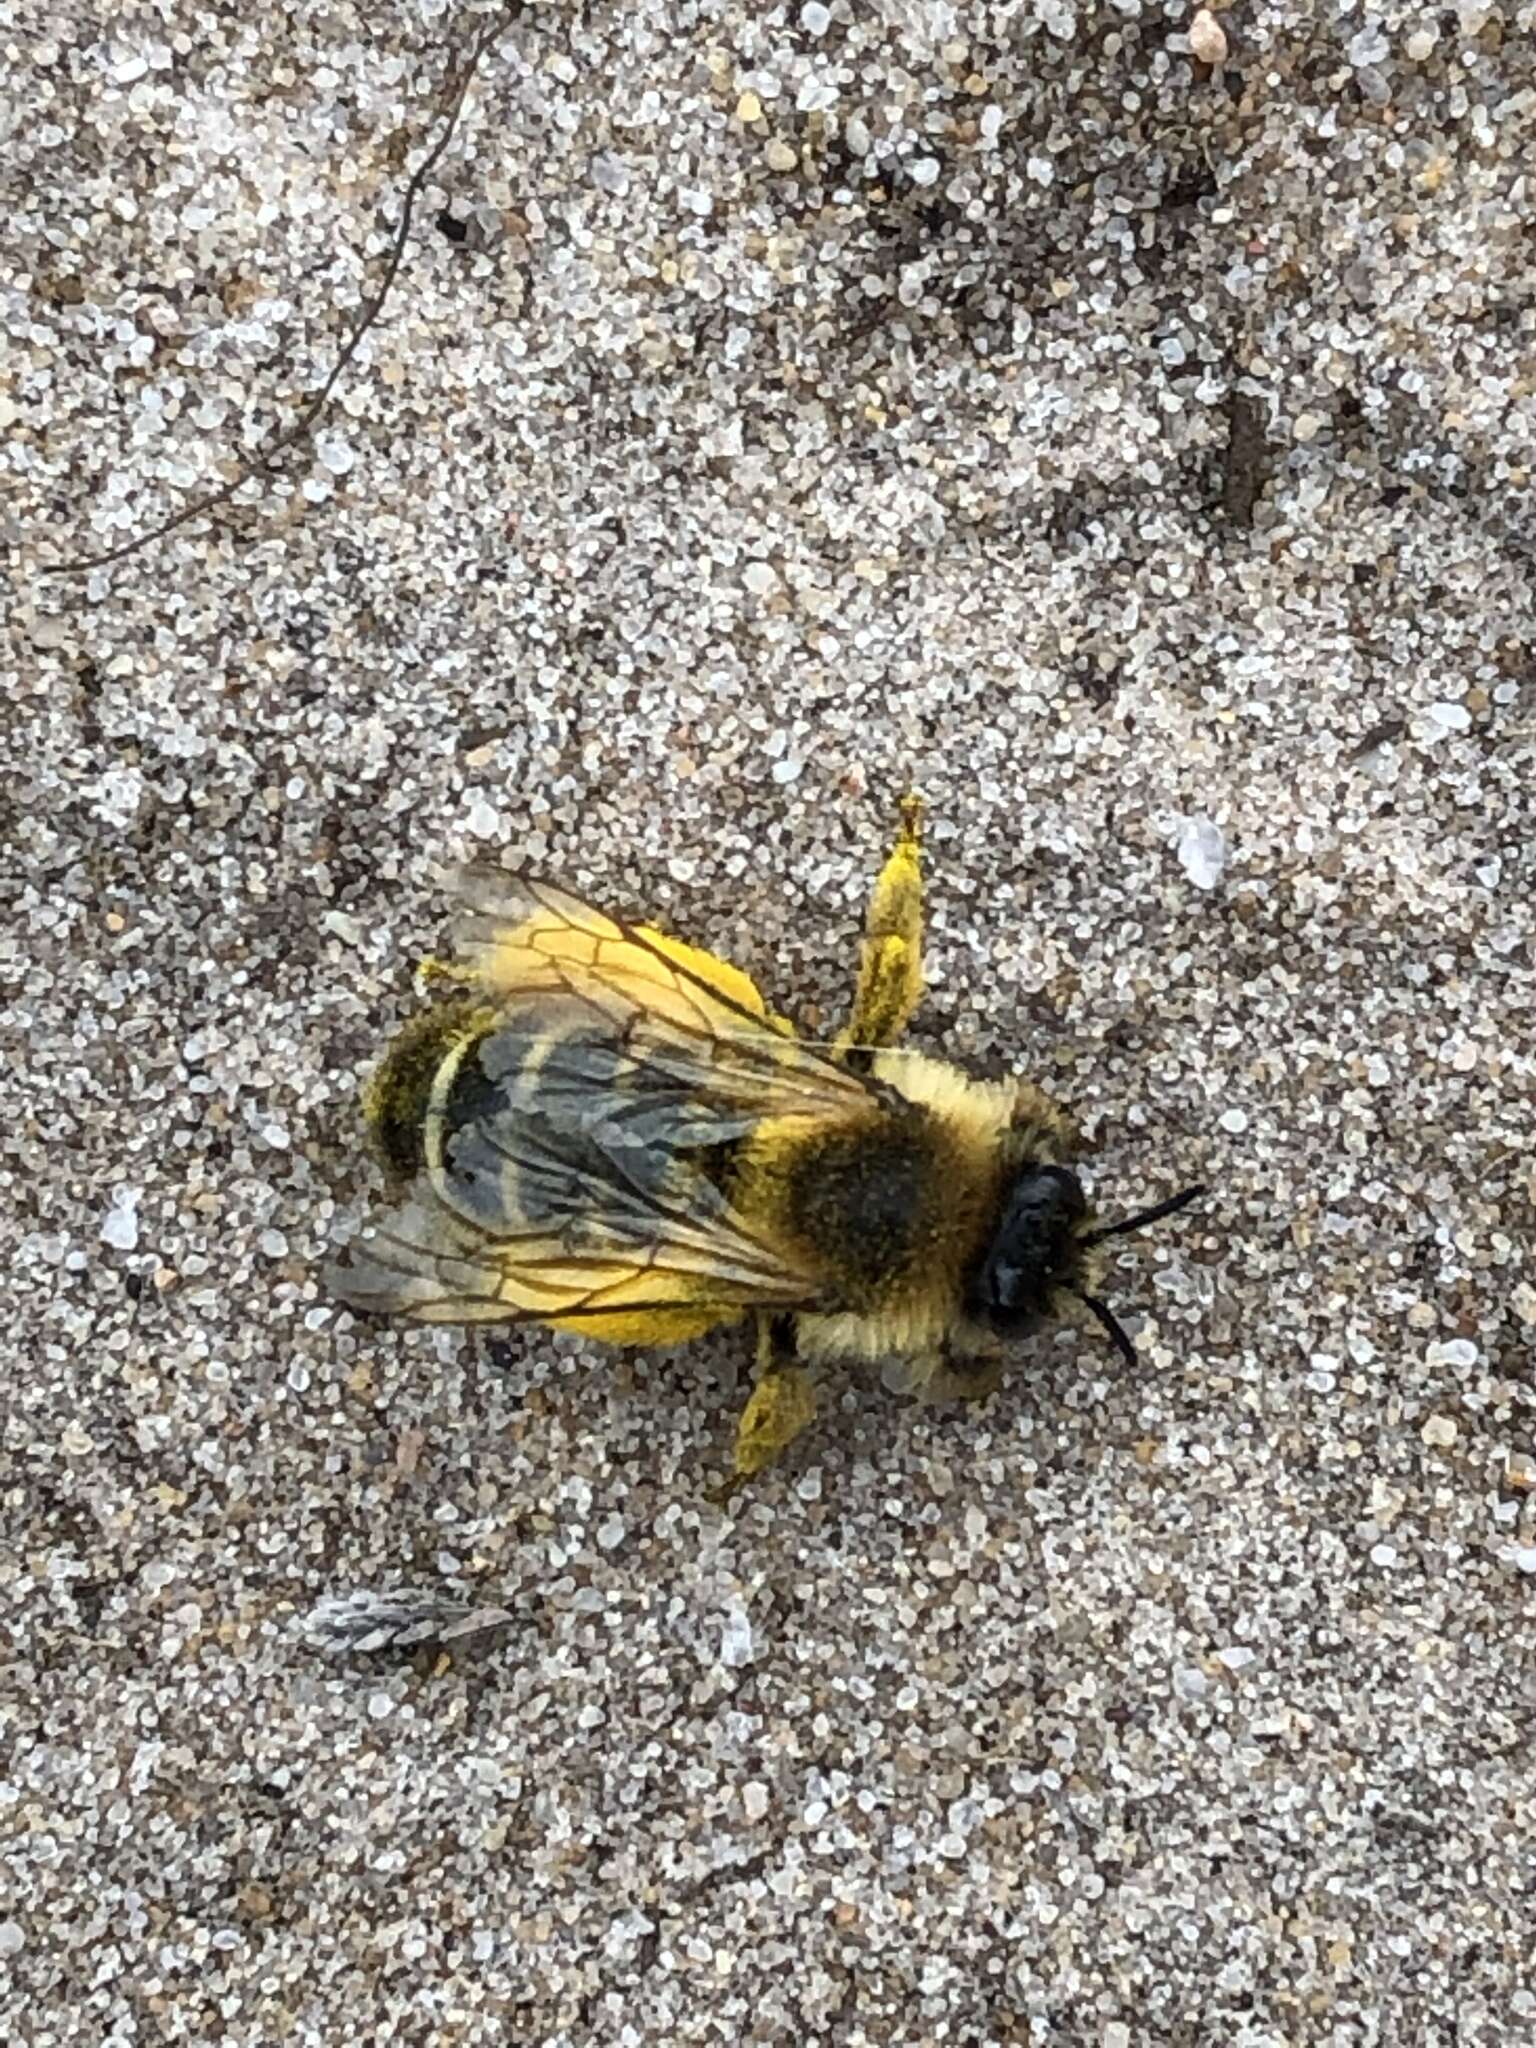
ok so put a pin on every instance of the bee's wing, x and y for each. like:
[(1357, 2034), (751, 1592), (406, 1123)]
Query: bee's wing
[(518, 934), (576, 1185)]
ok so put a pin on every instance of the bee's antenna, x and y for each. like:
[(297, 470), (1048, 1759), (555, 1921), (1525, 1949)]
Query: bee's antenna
[(1112, 1324), (1145, 1216)]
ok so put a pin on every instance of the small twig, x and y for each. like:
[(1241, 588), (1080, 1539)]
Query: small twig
[(262, 462)]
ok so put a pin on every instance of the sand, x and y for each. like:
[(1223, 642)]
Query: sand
[(775, 406)]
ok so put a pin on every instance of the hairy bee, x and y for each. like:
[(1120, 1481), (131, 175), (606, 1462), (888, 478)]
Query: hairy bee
[(608, 1130)]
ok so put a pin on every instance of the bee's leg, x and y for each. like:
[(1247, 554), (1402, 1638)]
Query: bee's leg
[(782, 1404), (967, 1379), (434, 973), (891, 962), (1043, 1127), (932, 1377)]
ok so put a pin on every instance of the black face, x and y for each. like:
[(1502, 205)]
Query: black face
[(1035, 1249)]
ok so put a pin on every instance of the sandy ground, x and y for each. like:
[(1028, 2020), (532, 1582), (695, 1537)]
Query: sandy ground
[(774, 405)]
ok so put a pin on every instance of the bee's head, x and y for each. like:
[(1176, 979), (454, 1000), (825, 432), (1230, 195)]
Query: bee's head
[(1041, 1243), (1036, 1248)]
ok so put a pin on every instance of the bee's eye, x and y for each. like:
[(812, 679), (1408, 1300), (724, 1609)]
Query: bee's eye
[(1033, 1250), (1068, 1190)]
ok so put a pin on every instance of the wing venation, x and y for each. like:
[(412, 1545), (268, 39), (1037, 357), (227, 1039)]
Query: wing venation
[(582, 1181)]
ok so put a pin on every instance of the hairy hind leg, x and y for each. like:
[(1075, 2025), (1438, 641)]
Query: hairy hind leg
[(782, 1404), (891, 959)]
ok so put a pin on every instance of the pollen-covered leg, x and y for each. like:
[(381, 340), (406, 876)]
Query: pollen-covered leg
[(891, 964), (782, 1405), (433, 973)]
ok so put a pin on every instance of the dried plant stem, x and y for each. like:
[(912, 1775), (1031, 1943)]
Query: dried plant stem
[(262, 463)]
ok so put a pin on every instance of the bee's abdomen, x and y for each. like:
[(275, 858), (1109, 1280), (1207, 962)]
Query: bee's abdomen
[(397, 1099)]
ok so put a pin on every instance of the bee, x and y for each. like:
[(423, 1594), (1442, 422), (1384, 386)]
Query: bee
[(607, 1130)]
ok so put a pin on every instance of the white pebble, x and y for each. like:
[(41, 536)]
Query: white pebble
[(1207, 38), (11, 1938), (1439, 1431), (1452, 716), (925, 171), (482, 820), (786, 771), (1522, 1556), (1370, 46), (736, 1640), (342, 925), (754, 1799), (814, 18), (1202, 851), (610, 174), (380, 1706), (760, 578), (1456, 1351), (335, 453), (610, 1534), (1234, 1120), (120, 1225)]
